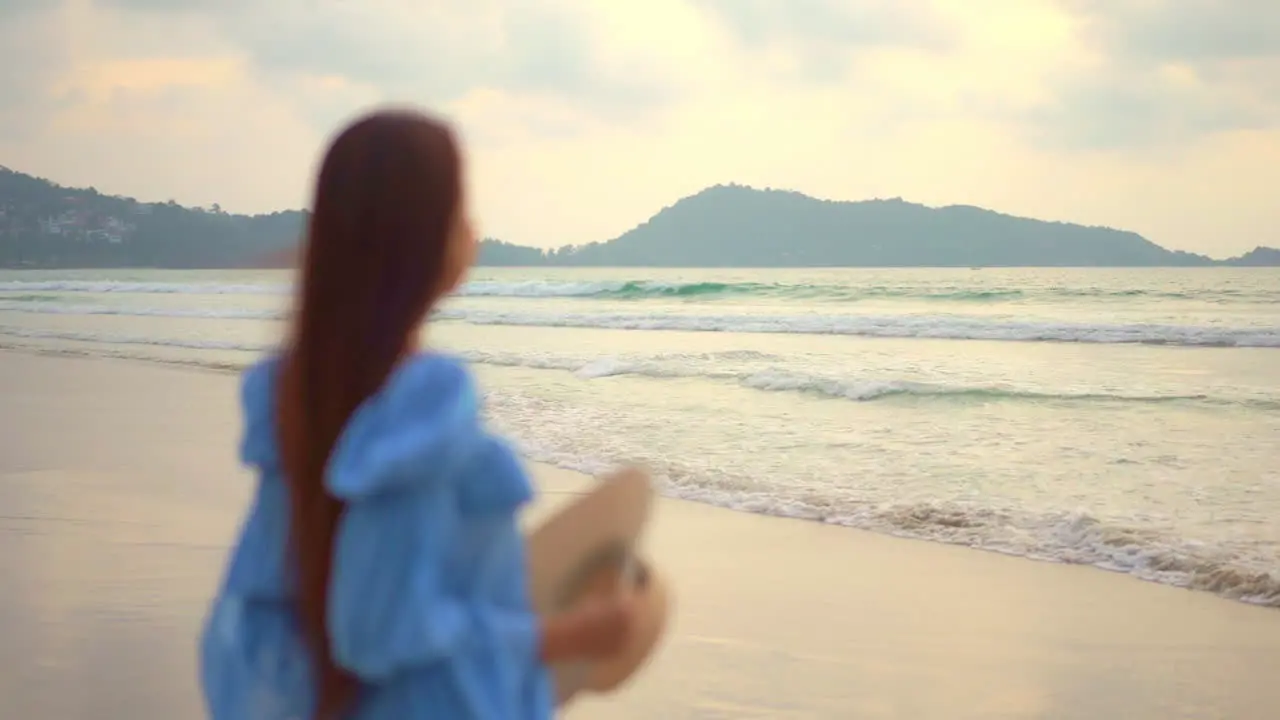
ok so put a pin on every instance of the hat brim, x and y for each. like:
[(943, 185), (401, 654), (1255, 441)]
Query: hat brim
[(599, 532)]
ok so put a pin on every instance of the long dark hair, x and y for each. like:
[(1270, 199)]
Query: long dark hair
[(377, 252)]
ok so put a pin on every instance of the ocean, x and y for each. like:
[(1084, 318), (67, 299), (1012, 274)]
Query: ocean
[(1126, 419)]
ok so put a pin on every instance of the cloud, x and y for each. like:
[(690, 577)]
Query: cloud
[(23, 83), (583, 117), (12, 9), (1165, 73), (853, 24), (1184, 30), (152, 105), (820, 39), (429, 52)]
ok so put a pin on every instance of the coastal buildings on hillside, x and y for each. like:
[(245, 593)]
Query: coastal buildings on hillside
[(87, 227), (70, 221), (46, 225)]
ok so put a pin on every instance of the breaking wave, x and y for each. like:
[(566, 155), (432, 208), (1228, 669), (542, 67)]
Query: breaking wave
[(764, 372), (939, 327), (689, 290), (1232, 570)]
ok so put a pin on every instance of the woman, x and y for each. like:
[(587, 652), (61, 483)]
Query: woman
[(380, 572)]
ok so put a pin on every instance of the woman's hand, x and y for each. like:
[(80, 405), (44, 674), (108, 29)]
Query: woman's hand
[(599, 627)]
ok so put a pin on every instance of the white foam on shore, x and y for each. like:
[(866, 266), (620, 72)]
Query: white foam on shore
[(575, 441), (1242, 572), (941, 327), (213, 313), (639, 289), (125, 287), (761, 372), (938, 327)]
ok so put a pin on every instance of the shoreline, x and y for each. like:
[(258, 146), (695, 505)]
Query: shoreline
[(121, 492), (1226, 586)]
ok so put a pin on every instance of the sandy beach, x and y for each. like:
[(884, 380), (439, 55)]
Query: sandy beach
[(119, 491)]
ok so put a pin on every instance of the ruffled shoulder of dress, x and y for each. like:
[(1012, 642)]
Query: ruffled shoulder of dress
[(257, 402), (420, 427)]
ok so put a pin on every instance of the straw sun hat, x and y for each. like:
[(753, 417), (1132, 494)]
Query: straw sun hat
[(592, 547)]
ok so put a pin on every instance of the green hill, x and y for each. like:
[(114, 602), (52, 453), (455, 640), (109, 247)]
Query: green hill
[(43, 224), (1257, 257), (735, 225)]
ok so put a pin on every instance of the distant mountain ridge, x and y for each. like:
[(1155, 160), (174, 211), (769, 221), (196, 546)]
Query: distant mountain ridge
[(736, 225), (45, 225), (1257, 257)]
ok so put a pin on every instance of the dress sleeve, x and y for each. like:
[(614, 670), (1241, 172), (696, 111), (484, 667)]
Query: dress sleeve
[(393, 604), (431, 509)]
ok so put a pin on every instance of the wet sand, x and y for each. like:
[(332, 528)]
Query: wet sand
[(119, 492)]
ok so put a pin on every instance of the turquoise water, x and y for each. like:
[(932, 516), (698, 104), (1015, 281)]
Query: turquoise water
[(1128, 419)]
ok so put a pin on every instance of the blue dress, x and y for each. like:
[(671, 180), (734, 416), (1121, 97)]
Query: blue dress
[(428, 601)]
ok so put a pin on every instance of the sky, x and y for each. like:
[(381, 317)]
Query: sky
[(582, 118)]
